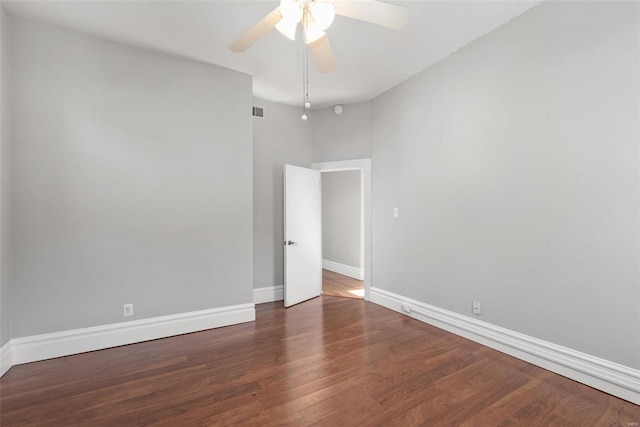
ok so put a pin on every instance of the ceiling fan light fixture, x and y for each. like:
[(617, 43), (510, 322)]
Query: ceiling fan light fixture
[(287, 28), (291, 10), (323, 13), (312, 31)]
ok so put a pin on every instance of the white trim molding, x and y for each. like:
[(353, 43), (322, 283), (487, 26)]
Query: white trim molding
[(6, 357), (268, 294), (601, 374), (345, 270), (47, 346)]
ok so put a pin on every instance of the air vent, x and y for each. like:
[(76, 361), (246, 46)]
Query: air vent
[(258, 112)]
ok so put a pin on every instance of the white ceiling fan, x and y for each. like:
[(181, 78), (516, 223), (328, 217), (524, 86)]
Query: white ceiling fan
[(316, 16)]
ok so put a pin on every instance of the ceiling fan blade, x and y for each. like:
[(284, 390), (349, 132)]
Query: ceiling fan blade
[(256, 32), (373, 11), (323, 55)]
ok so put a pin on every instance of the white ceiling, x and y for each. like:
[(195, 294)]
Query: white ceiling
[(370, 59)]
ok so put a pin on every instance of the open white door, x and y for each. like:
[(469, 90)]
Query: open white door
[(302, 235)]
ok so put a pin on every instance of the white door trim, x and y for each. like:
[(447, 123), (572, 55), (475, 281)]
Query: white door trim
[(364, 166)]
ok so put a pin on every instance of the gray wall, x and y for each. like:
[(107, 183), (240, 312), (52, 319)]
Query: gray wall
[(132, 183), (344, 137), (279, 138), (5, 179), (342, 217), (514, 163)]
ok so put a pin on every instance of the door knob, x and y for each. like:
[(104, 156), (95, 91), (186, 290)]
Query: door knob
[(291, 243)]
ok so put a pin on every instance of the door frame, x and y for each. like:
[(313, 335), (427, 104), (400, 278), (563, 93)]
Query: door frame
[(364, 166)]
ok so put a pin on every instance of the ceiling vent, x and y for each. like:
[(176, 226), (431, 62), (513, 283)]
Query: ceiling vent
[(258, 112)]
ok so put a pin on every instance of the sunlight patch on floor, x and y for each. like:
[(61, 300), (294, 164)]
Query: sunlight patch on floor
[(357, 292)]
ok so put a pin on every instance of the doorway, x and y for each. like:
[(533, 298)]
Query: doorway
[(342, 234), (347, 258)]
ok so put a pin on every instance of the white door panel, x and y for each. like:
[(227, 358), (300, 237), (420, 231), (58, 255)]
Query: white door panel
[(302, 235)]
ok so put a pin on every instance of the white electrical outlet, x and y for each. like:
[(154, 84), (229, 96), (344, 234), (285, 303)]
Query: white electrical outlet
[(395, 212), (128, 310), (477, 308), (406, 308)]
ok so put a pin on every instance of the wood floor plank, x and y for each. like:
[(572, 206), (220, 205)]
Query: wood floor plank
[(329, 361)]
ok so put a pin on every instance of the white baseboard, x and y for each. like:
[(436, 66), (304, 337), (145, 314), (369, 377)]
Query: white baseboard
[(601, 374), (345, 270), (6, 357), (47, 346), (268, 294)]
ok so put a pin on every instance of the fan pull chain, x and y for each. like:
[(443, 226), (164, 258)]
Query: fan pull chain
[(305, 64)]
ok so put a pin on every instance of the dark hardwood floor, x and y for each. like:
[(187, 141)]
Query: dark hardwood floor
[(328, 362), (338, 285)]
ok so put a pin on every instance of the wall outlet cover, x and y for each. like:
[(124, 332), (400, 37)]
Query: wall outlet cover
[(477, 308), (128, 310)]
